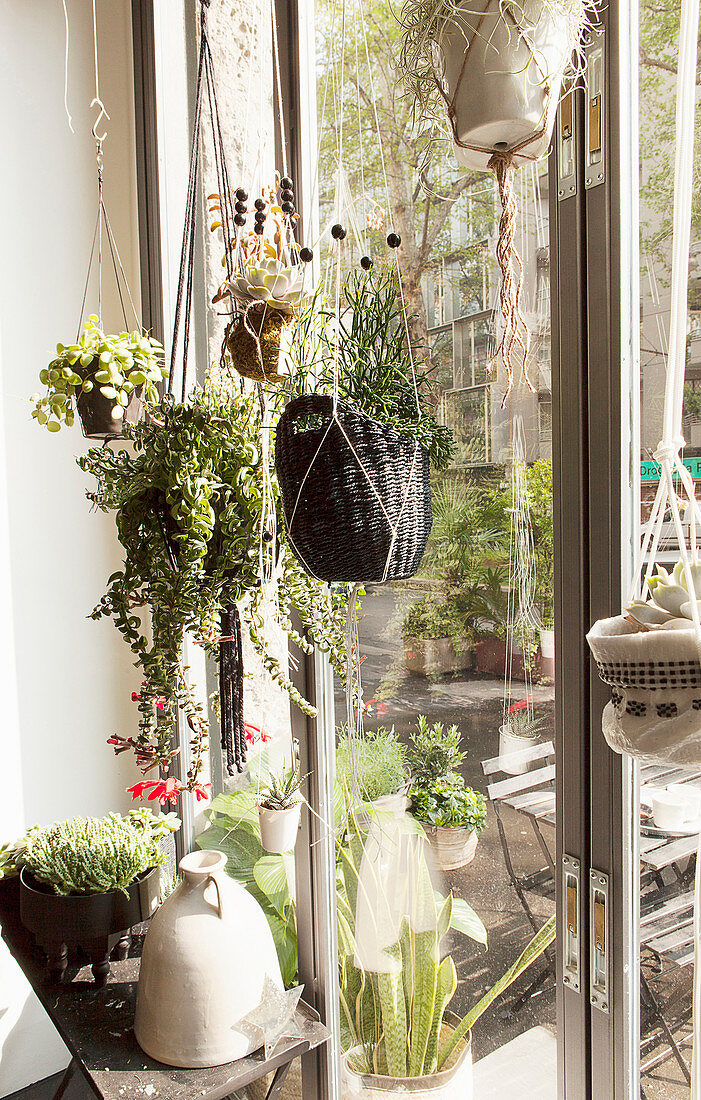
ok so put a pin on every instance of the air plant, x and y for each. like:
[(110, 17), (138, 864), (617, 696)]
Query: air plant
[(670, 606)]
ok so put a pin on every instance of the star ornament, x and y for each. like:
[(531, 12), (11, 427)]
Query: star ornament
[(274, 1017)]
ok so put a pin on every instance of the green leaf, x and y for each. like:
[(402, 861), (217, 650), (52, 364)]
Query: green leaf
[(53, 426), (464, 919)]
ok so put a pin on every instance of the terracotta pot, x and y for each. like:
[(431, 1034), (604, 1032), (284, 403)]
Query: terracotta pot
[(279, 828), (454, 1083), (203, 967), (452, 847), (436, 656), (505, 88), (94, 922)]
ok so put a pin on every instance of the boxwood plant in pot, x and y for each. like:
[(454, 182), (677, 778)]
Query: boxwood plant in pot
[(279, 807), (106, 378), (453, 815), (189, 504), (84, 883)]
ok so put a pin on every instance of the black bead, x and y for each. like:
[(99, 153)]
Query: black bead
[(394, 240), (286, 195), (365, 263), (258, 228), (239, 219), (286, 183), (241, 195), (260, 216), (338, 232), (306, 255), (240, 207), (288, 208), (259, 204)]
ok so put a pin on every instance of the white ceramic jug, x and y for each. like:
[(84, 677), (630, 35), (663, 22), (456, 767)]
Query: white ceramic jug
[(205, 958)]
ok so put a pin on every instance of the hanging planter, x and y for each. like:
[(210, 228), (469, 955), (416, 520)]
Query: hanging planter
[(259, 343), (279, 809)]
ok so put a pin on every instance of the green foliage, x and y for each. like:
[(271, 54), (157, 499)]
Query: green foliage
[(374, 765), (443, 803), (539, 485), (189, 504), (7, 861), (376, 371), (93, 855), (434, 751), (281, 791), (433, 617), (117, 364)]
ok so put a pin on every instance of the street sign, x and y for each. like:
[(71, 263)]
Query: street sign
[(650, 470)]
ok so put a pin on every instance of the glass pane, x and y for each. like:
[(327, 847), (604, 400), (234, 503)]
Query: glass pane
[(667, 860)]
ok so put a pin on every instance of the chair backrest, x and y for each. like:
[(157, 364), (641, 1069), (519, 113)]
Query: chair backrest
[(543, 753)]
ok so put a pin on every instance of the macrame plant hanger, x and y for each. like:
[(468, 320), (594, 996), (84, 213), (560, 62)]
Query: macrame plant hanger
[(233, 737)]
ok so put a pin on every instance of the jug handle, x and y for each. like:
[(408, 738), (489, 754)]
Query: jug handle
[(213, 880)]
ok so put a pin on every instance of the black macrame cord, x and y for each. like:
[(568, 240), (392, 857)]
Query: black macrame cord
[(233, 736)]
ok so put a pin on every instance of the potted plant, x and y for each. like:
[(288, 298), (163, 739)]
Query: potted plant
[(453, 815), (435, 638), (398, 1035), (85, 883), (105, 377), (520, 729), (353, 457), (372, 769), (279, 807), (189, 503)]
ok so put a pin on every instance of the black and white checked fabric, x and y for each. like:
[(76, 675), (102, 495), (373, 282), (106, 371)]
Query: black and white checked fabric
[(649, 675)]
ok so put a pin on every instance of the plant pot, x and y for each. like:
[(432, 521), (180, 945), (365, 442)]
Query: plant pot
[(491, 658), (453, 1083), (265, 358), (452, 847), (278, 828), (436, 656), (511, 744), (655, 680), (94, 922), (205, 960), (503, 74), (356, 494), (95, 410), (547, 644), (365, 813)]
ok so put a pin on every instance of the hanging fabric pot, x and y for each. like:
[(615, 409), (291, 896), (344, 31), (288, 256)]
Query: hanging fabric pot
[(503, 70), (655, 681), (259, 343), (356, 494)]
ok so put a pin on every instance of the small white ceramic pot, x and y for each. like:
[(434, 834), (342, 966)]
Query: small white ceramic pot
[(547, 644), (452, 847), (511, 747), (505, 88), (278, 828), (454, 1083), (203, 967)]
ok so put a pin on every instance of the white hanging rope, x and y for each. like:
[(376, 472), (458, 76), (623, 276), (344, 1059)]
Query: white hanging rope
[(65, 69)]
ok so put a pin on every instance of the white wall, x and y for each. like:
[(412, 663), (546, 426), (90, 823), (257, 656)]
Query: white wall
[(66, 680)]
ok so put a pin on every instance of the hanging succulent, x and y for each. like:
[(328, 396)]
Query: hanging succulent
[(670, 606), (189, 505)]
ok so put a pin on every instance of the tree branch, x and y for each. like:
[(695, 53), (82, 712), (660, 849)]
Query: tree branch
[(657, 63)]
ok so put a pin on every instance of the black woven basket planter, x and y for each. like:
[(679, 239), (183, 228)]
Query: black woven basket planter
[(341, 507)]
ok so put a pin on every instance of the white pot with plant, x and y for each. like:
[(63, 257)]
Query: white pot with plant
[(279, 809), (399, 1036), (519, 731), (547, 642), (372, 772)]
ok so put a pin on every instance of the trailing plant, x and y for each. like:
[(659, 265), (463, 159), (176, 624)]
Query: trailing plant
[(90, 855), (281, 791), (117, 364), (189, 505), (434, 752), (8, 867), (374, 765), (377, 371), (444, 803)]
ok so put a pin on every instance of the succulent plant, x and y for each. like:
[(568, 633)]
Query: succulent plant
[(281, 791), (670, 606)]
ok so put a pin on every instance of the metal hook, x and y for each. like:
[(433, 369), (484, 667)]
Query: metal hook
[(97, 102)]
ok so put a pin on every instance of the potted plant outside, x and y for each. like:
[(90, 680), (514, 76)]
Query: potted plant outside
[(85, 883), (107, 378), (279, 808), (435, 639), (520, 730), (372, 772)]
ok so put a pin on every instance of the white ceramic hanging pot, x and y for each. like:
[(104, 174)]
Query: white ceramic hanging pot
[(547, 644), (655, 680), (205, 958), (278, 828), (511, 749), (502, 67)]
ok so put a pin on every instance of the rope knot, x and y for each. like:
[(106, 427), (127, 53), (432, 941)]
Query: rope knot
[(666, 452)]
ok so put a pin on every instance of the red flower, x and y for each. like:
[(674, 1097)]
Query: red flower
[(166, 792), (521, 705), (254, 734), (137, 791), (200, 791), (135, 696), (160, 701)]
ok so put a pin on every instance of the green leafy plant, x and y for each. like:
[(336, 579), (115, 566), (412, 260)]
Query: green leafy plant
[(434, 751), (377, 373), (281, 791), (8, 867), (373, 765), (443, 803), (539, 484), (117, 364), (90, 855), (433, 617), (189, 506)]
